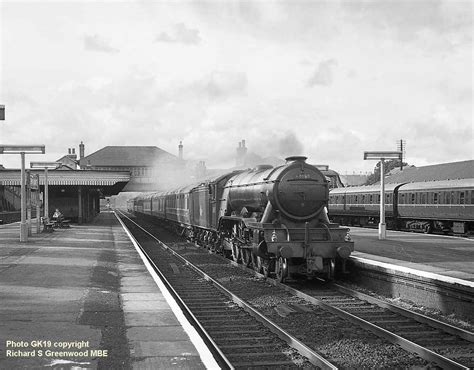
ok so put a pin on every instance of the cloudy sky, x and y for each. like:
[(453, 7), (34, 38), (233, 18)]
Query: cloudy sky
[(327, 79)]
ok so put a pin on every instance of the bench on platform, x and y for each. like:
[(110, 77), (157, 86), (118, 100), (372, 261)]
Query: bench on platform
[(65, 224), (48, 227)]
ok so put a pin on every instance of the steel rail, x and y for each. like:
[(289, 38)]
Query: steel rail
[(221, 359), (315, 358), (464, 334), (406, 344)]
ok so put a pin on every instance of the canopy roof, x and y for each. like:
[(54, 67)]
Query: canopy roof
[(73, 177)]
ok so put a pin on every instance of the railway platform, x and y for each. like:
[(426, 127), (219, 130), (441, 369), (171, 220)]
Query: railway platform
[(82, 297), (445, 258)]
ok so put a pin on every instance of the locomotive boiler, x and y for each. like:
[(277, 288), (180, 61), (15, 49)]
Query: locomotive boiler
[(276, 220), (273, 219)]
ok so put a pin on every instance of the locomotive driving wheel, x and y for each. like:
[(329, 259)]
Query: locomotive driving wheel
[(236, 255), (262, 266), (281, 269), (331, 269), (246, 256)]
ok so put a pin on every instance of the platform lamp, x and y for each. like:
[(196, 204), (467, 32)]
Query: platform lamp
[(382, 156), (45, 166), (22, 150)]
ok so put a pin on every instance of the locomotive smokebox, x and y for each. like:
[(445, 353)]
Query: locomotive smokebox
[(301, 191)]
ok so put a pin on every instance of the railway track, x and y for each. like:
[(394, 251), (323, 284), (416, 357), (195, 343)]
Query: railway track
[(433, 340), (237, 334), (337, 308)]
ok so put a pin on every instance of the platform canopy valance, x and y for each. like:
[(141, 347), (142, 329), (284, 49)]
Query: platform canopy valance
[(65, 178)]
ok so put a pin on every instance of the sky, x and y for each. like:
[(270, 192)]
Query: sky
[(325, 79)]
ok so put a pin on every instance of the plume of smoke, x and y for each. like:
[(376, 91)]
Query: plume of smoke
[(289, 144)]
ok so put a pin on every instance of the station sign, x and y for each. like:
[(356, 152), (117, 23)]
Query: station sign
[(383, 155)]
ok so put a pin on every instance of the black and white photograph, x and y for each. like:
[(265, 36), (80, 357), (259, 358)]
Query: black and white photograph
[(242, 184)]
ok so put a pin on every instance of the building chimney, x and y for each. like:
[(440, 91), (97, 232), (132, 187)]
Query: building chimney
[(241, 152), (73, 150), (81, 150), (71, 153), (180, 150)]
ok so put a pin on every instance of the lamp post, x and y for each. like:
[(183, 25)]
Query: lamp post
[(22, 150), (46, 166), (382, 156)]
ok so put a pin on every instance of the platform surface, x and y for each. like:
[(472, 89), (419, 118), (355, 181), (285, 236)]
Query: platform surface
[(448, 257), (82, 298)]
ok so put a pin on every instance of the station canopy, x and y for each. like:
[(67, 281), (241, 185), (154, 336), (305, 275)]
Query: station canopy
[(114, 180)]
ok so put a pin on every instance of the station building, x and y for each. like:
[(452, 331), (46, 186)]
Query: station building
[(74, 191), (150, 168), (77, 186)]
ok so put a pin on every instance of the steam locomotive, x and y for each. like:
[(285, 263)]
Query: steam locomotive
[(444, 206), (273, 219)]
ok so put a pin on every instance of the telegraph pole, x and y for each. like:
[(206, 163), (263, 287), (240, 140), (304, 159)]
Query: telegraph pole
[(401, 146)]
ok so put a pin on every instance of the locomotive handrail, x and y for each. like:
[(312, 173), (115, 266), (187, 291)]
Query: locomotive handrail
[(329, 232), (283, 226)]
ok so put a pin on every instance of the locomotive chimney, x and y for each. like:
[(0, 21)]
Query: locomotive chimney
[(296, 158)]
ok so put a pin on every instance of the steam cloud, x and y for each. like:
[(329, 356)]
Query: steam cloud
[(96, 43), (323, 75), (290, 145), (181, 34)]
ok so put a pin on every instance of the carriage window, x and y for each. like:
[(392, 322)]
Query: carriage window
[(461, 197), (413, 198), (355, 201), (435, 198)]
